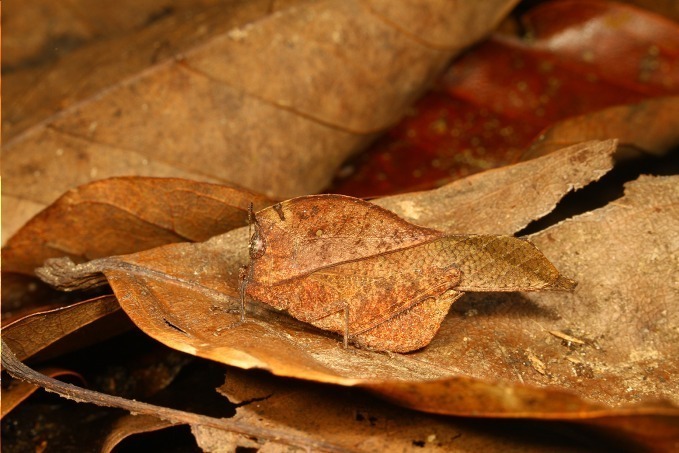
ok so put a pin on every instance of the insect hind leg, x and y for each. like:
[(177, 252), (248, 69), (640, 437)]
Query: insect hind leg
[(338, 308)]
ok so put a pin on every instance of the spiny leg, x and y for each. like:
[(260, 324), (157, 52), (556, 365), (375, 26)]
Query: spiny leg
[(242, 283), (346, 325), (334, 309)]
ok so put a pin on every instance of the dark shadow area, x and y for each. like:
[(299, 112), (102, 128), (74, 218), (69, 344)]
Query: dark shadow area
[(176, 439), (514, 305)]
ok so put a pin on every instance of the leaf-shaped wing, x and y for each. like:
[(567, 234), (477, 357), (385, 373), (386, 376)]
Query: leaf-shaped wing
[(500, 263), (361, 295), (306, 234)]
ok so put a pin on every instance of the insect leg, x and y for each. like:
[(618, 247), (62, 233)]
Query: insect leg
[(346, 325), (244, 277)]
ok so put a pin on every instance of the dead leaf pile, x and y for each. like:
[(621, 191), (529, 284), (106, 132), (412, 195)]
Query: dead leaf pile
[(515, 355), (130, 288)]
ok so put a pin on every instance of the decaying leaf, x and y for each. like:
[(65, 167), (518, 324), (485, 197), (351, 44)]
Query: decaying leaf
[(348, 266), (125, 215), (49, 329)]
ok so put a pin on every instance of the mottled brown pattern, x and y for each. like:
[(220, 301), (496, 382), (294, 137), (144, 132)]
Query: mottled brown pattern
[(348, 266)]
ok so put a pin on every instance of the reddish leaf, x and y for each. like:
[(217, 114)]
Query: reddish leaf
[(578, 57)]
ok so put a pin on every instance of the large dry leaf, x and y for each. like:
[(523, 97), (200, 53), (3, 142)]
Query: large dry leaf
[(272, 102), (350, 419), (186, 296), (125, 215), (42, 31), (106, 47)]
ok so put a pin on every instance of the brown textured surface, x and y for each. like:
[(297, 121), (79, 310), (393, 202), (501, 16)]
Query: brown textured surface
[(438, 28), (124, 215), (307, 235), (271, 96), (374, 291), (33, 333), (348, 266)]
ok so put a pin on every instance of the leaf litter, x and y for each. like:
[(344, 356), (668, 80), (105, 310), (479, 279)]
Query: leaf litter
[(483, 360), (186, 295)]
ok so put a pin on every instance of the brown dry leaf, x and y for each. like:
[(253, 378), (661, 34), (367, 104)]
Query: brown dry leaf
[(643, 126), (129, 425), (65, 328), (106, 47), (42, 30), (350, 419), (186, 295), (348, 266), (125, 215), (515, 195), (304, 86)]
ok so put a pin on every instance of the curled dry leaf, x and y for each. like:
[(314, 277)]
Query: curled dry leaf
[(651, 126), (124, 215), (129, 425), (293, 82), (515, 195), (117, 216), (186, 295), (358, 422), (65, 328), (345, 265)]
